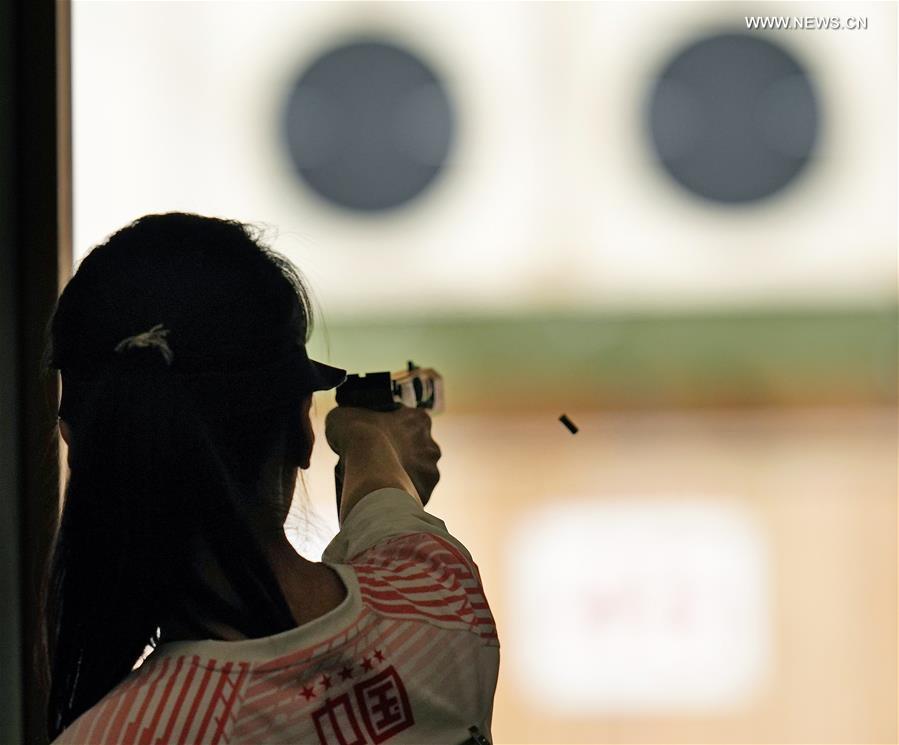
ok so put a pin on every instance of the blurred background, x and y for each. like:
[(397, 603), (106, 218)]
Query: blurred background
[(677, 230)]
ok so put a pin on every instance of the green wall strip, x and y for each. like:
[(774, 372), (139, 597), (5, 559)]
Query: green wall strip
[(727, 359)]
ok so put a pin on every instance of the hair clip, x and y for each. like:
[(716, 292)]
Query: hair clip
[(155, 337)]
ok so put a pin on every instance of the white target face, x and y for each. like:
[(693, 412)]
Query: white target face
[(638, 606)]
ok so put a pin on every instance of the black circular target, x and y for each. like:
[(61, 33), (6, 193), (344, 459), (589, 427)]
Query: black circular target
[(368, 125), (733, 118)]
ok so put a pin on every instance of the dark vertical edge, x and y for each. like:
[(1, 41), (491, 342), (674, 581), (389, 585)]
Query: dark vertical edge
[(11, 697), (37, 242)]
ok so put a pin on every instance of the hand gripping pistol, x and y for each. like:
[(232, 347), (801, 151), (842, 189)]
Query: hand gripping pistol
[(416, 387)]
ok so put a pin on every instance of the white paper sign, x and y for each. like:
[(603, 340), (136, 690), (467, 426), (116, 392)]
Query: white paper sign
[(635, 605)]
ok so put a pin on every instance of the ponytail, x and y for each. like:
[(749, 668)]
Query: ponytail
[(148, 482)]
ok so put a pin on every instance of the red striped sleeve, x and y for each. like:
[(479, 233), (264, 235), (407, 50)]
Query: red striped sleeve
[(426, 577)]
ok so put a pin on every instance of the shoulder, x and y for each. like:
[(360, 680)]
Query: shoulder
[(178, 698), (107, 721), (425, 577), (410, 566)]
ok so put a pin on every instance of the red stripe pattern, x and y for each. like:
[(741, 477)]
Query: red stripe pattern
[(427, 578), (421, 657)]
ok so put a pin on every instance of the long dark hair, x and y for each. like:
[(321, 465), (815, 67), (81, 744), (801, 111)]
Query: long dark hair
[(167, 454)]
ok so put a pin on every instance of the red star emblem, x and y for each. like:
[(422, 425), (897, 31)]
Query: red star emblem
[(308, 692), (366, 663), (346, 673), (379, 656), (326, 681)]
